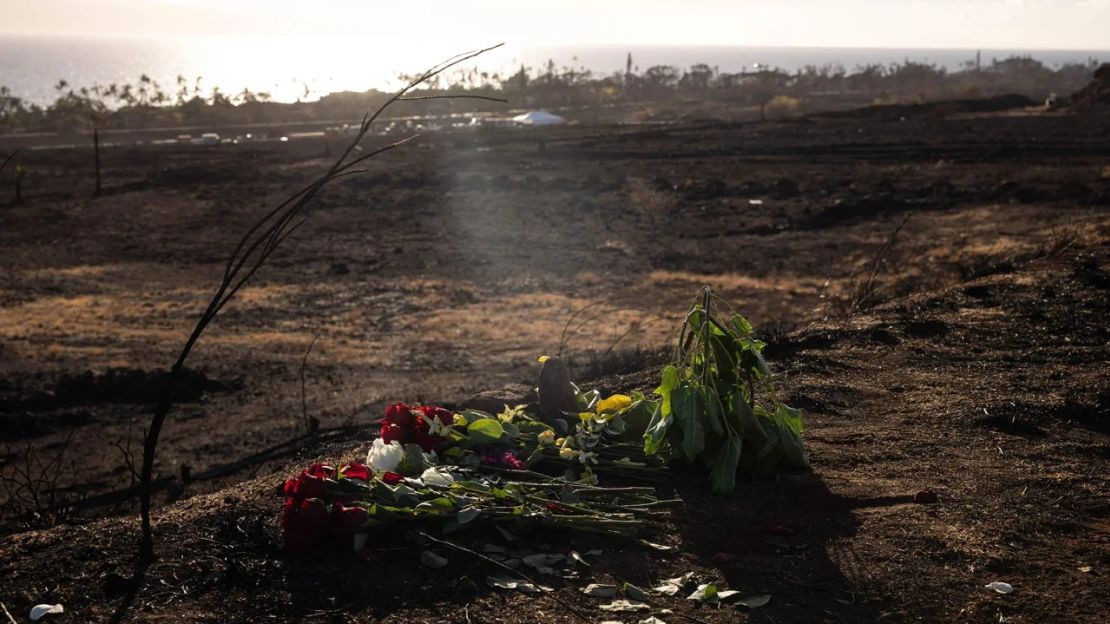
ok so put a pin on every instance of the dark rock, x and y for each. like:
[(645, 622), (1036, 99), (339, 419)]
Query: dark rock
[(494, 401), (557, 399)]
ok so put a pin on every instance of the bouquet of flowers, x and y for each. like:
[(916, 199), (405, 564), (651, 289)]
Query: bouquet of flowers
[(716, 407), (434, 468)]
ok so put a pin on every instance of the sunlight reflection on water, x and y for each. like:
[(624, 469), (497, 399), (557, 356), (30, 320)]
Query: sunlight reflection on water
[(306, 67)]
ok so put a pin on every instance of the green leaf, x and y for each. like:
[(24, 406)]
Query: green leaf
[(472, 415), (704, 593), (637, 419), (712, 411), (666, 387), (723, 473), (727, 357), (485, 430), (744, 420), (792, 417), (789, 422), (656, 433), (752, 358), (689, 405), (741, 324)]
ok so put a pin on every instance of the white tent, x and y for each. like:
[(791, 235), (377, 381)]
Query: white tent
[(538, 118)]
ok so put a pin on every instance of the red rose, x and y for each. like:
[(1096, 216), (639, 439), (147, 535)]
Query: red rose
[(392, 478), (393, 433), (303, 523), (356, 471), (430, 412), (429, 443), (309, 486), (321, 470), (399, 414), (289, 490), (346, 520)]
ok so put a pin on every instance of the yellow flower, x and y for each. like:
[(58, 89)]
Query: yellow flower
[(567, 453), (613, 404), (546, 437)]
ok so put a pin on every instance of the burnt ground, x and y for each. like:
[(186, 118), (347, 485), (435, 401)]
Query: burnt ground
[(450, 266)]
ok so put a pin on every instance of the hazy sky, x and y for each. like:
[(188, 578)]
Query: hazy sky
[(1023, 24)]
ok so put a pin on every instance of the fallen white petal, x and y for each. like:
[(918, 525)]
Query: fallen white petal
[(1000, 587), (38, 611), (600, 591), (620, 606), (754, 602)]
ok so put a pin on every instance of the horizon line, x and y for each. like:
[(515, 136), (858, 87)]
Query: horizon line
[(840, 46)]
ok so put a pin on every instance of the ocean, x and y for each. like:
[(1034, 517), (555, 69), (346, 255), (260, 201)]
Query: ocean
[(291, 68)]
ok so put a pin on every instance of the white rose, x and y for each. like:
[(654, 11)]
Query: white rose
[(384, 457)]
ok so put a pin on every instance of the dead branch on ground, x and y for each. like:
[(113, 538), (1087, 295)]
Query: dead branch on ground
[(249, 255)]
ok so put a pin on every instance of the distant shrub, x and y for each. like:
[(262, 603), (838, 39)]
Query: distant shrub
[(784, 106)]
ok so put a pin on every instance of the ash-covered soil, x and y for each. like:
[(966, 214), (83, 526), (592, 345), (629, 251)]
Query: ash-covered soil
[(446, 269), (993, 393)]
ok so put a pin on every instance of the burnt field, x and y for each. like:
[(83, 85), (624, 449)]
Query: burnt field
[(932, 289)]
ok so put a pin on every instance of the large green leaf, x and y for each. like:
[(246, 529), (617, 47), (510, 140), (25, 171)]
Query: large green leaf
[(790, 435), (741, 324), (722, 474), (792, 417), (638, 417), (751, 358), (689, 406), (727, 356), (712, 413), (744, 419), (485, 431)]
